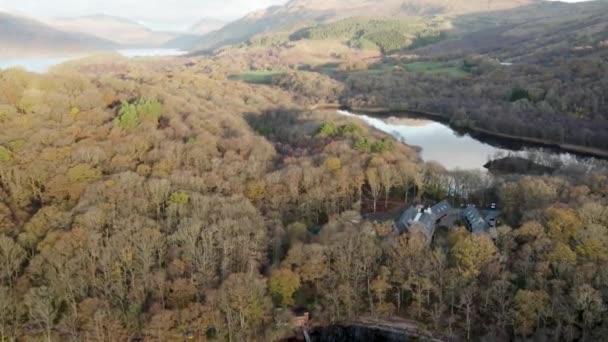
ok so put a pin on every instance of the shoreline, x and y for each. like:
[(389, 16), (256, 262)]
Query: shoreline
[(384, 111)]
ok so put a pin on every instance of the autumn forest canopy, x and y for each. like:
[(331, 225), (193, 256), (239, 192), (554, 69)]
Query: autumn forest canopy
[(213, 197)]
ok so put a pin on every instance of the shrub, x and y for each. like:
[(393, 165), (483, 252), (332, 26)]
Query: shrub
[(149, 109), (5, 154), (127, 116), (309, 86), (255, 190), (378, 146), (83, 173), (362, 144), (382, 145), (130, 115), (389, 41), (333, 164), (362, 44), (518, 93), (423, 39), (283, 283), (350, 129), (179, 197), (328, 129)]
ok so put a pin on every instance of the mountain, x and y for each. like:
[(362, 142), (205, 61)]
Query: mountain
[(529, 33), (122, 31), (182, 42), (21, 36), (324, 11), (206, 25)]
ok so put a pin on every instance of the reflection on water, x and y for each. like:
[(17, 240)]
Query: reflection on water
[(438, 142), (43, 64)]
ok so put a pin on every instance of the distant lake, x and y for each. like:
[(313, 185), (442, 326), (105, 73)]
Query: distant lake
[(438, 142), (44, 63)]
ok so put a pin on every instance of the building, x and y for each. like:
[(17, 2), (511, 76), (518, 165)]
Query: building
[(301, 324), (419, 218), (302, 317), (477, 223)]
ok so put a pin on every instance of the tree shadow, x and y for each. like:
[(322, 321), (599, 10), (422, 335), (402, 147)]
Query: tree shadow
[(287, 126)]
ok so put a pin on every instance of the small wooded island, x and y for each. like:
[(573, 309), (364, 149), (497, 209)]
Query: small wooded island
[(518, 165)]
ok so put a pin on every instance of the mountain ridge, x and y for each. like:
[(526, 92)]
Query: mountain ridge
[(23, 36), (123, 31), (324, 11)]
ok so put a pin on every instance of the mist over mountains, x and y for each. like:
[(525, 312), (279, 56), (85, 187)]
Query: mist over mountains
[(23, 36)]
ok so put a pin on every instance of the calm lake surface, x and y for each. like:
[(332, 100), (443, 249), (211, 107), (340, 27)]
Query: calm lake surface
[(43, 64), (454, 150), (438, 142)]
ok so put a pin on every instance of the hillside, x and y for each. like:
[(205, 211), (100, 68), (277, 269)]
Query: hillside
[(206, 25), (529, 33), (122, 31), (21, 36), (540, 68), (299, 11), (181, 42)]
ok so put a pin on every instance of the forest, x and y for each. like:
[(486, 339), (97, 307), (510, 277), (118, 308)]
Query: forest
[(374, 33), (562, 101), (166, 200)]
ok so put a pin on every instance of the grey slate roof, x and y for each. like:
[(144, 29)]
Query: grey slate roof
[(441, 209), (406, 218), (425, 220), (473, 219)]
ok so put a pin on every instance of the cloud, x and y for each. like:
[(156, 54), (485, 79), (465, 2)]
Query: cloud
[(160, 14)]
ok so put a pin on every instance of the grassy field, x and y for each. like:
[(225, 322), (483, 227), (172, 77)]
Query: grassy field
[(256, 77), (333, 70), (371, 71), (434, 68), (430, 68)]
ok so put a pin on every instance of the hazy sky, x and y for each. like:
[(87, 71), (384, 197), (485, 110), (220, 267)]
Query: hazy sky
[(158, 14)]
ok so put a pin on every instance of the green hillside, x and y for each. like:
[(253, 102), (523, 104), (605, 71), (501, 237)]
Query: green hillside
[(296, 12), (388, 35), (384, 34)]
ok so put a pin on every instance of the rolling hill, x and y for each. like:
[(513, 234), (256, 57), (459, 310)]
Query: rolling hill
[(21, 36), (327, 11)]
